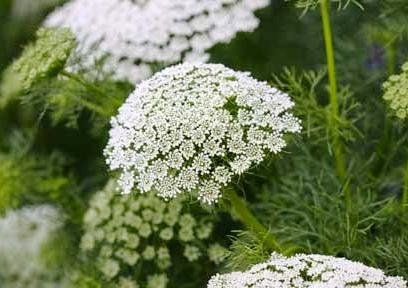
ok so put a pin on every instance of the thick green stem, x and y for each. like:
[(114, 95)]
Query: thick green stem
[(240, 209), (89, 86), (91, 106), (84, 83), (391, 57), (405, 190), (334, 103)]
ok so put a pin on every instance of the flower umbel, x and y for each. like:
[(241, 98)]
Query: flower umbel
[(302, 271), (193, 127), (134, 36), (139, 232), (396, 92), (45, 57)]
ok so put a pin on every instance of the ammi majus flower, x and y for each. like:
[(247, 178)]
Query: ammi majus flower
[(194, 128)]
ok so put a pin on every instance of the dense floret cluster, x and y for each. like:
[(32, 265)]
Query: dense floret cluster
[(193, 127), (302, 271), (23, 236), (125, 232), (133, 36), (45, 57), (396, 92)]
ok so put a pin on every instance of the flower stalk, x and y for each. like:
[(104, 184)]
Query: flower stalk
[(240, 209), (405, 190), (91, 106), (390, 51), (334, 102)]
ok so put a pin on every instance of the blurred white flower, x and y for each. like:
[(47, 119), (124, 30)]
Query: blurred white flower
[(132, 236), (217, 253), (134, 36), (193, 127), (302, 271), (23, 236)]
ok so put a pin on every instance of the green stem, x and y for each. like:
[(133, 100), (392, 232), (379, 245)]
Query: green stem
[(91, 106), (240, 209), (383, 144), (334, 103), (405, 191), (391, 56), (88, 85)]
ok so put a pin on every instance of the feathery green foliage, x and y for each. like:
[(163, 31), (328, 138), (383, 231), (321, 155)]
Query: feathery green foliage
[(308, 88), (35, 171), (394, 18), (246, 250), (303, 204), (66, 100)]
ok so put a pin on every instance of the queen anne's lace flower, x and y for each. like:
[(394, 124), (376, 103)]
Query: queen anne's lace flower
[(23, 235), (302, 271), (136, 238), (194, 127), (396, 92), (134, 35)]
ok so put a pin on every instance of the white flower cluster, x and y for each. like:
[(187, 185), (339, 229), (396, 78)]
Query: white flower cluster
[(23, 235), (303, 271), (140, 231), (193, 127), (132, 36)]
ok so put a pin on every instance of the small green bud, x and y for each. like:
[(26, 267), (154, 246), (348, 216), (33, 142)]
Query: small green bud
[(145, 230), (127, 283), (44, 58), (157, 281), (149, 253), (186, 234), (192, 253), (217, 253), (166, 234), (110, 268), (396, 92)]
